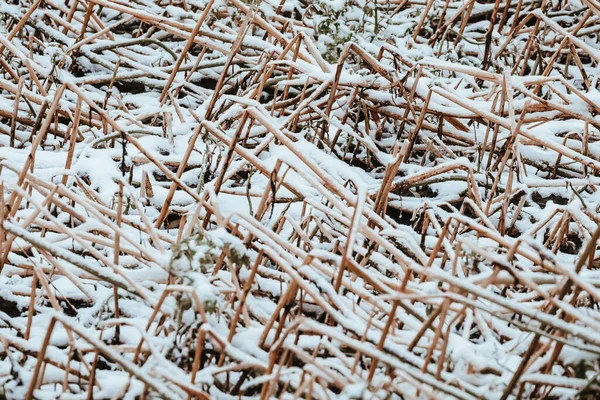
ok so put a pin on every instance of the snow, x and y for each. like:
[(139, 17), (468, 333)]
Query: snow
[(426, 233)]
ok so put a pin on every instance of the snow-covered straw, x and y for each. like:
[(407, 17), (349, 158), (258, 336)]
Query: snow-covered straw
[(350, 199)]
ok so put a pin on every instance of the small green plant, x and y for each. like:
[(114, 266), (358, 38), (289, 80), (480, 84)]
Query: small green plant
[(195, 257), (332, 28)]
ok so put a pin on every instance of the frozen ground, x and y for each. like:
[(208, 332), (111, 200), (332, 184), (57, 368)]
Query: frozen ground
[(391, 199)]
